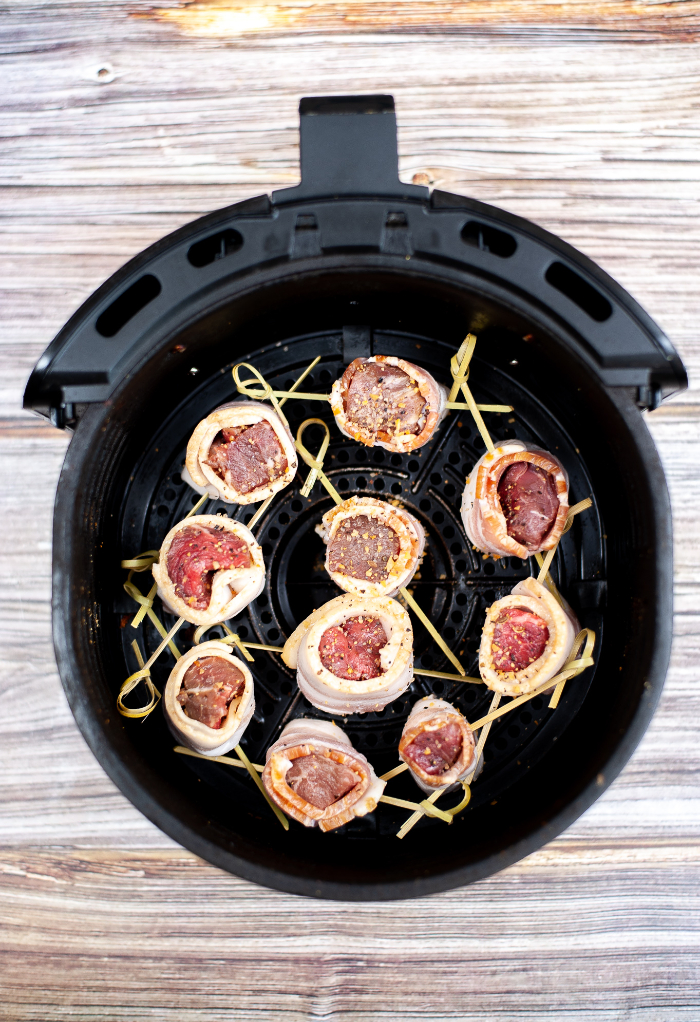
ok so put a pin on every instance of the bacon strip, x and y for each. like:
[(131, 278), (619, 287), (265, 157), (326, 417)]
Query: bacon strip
[(515, 501), (315, 776), (326, 656), (526, 639), (208, 699), (387, 401), (373, 547), (241, 453), (437, 744)]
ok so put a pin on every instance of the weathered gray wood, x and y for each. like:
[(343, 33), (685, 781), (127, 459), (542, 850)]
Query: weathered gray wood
[(556, 114)]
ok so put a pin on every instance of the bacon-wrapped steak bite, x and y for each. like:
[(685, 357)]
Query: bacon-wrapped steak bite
[(372, 547), (526, 639), (241, 454), (209, 569), (208, 699), (437, 744), (516, 501), (315, 776), (387, 401), (353, 655)]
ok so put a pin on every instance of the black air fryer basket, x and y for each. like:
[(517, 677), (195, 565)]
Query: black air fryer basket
[(349, 263)]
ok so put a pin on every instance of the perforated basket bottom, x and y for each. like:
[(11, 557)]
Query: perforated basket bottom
[(454, 586)]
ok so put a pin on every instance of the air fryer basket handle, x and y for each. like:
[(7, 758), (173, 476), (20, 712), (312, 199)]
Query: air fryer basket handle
[(348, 147)]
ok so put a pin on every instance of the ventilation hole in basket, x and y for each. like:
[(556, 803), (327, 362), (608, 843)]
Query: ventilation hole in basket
[(272, 676), (283, 518), (379, 484), (454, 458), (448, 532), (163, 511), (343, 484), (213, 248), (125, 307), (274, 533), (361, 456), (438, 518), (438, 687), (426, 661), (488, 239), (262, 601), (297, 506), (450, 490), (396, 487), (413, 466), (435, 479), (456, 616), (378, 456), (461, 599), (273, 634), (424, 505), (343, 457), (456, 548), (489, 568), (525, 718), (371, 740), (396, 459), (169, 494), (266, 617), (579, 291), (286, 688), (460, 566), (513, 731), (501, 744), (361, 483)]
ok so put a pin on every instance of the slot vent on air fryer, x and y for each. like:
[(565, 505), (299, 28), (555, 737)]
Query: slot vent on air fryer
[(489, 239), (216, 246), (579, 291), (125, 307)]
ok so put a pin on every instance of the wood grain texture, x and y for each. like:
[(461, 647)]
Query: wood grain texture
[(584, 118)]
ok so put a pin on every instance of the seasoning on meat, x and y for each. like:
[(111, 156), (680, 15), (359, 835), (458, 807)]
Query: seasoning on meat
[(320, 780), (195, 554), (529, 501), (435, 751), (363, 548), (519, 638), (247, 457), (209, 686), (384, 399), (351, 650)]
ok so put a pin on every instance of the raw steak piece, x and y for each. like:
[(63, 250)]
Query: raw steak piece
[(362, 547), (247, 457), (529, 501), (435, 751), (519, 638), (383, 398), (320, 780), (208, 687), (351, 650), (195, 554)]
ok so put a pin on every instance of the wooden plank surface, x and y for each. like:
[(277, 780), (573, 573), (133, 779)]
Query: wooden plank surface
[(583, 117)]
